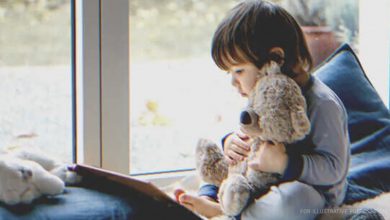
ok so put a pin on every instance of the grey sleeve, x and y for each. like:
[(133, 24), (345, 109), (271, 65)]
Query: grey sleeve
[(328, 164)]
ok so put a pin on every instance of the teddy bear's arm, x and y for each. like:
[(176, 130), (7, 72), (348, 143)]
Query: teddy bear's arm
[(210, 162)]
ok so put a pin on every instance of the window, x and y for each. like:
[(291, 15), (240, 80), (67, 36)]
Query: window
[(35, 76), (374, 44), (174, 93)]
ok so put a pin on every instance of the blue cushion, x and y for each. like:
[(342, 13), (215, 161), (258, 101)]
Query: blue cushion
[(343, 73), (368, 123)]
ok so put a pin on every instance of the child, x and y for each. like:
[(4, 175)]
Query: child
[(314, 169)]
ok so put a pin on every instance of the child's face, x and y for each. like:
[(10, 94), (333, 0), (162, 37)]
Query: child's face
[(244, 77)]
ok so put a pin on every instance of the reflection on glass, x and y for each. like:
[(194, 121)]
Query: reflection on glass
[(35, 76)]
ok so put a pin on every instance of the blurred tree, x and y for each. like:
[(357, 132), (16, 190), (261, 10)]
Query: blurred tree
[(174, 28), (31, 27)]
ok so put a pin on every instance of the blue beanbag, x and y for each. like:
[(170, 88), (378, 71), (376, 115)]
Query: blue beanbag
[(368, 123)]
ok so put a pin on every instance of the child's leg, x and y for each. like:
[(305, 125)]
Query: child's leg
[(292, 200)]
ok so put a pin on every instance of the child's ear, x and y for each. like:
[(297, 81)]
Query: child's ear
[(277, 54)]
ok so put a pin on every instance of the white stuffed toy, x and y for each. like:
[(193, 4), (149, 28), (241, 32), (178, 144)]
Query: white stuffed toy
[(28, 174), (276, 112)]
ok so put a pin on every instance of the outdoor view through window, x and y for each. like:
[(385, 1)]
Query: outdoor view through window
[(35, 76), (177, 94)]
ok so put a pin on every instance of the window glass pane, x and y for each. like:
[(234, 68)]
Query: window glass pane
[(35, 76), (177, 93)]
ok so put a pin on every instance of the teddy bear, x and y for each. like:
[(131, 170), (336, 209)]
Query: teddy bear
[(27, 174), (276, 112)]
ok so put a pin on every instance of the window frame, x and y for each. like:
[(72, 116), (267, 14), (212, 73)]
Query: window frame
[(102, 84)]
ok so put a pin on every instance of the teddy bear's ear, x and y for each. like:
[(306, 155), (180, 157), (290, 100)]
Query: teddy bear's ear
[(270, 68), (273, 68), (276, 54)]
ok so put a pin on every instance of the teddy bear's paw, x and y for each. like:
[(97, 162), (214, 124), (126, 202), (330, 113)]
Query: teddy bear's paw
[(234, 194), (69, 177), (36, 155), (60, 171), (46, 182), (72, 178), (205, 146), (210, 162), (51, 185)]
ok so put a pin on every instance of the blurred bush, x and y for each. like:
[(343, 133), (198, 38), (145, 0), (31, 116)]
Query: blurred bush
[(174, 28), (35, 32)]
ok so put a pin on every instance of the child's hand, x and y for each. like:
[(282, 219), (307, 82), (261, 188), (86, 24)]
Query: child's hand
[(236, 147), (271, 158)]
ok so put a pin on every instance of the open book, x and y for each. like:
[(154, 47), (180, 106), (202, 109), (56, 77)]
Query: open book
[(147, 189)]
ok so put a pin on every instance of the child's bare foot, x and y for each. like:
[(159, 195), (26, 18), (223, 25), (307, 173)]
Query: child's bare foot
[(202, 205)]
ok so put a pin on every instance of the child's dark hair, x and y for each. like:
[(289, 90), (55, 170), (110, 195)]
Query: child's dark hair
[(251, 29)]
